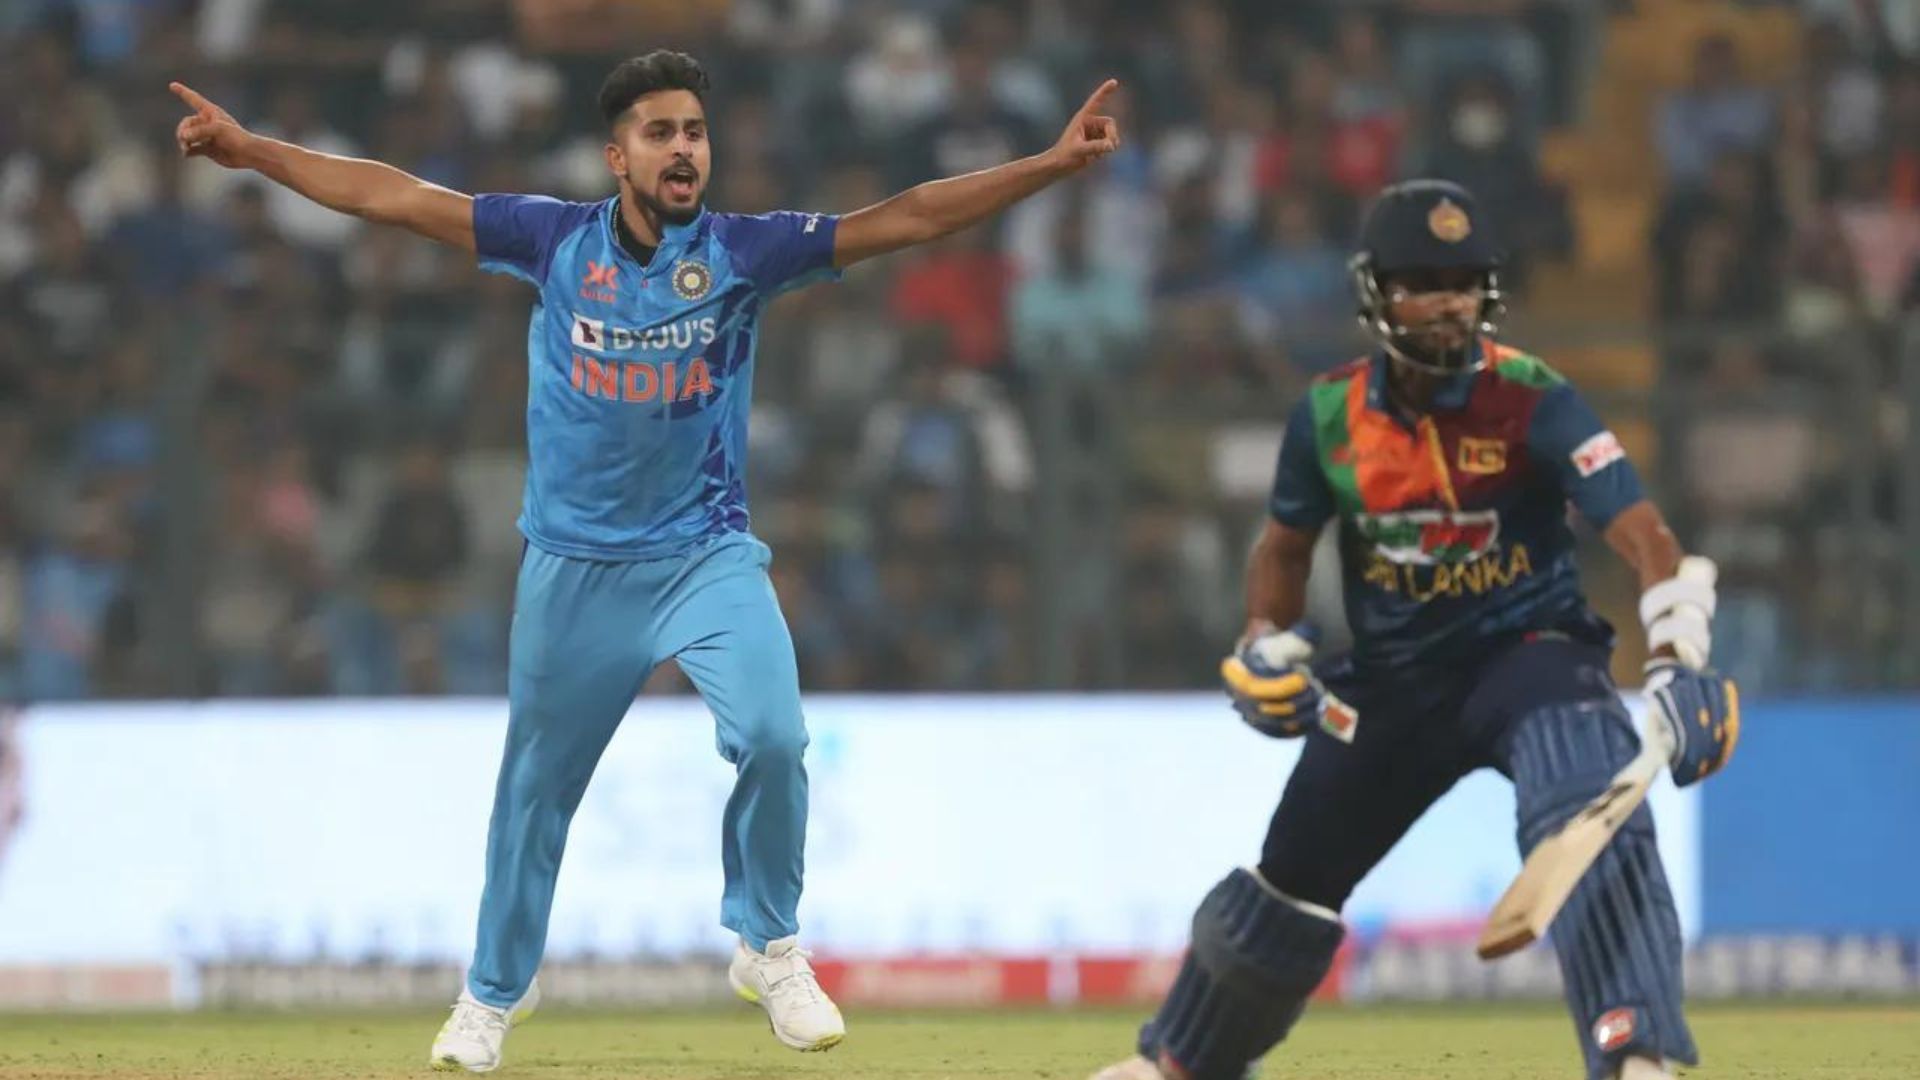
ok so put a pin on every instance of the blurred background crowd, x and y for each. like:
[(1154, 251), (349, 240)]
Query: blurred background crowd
[(250, 447)]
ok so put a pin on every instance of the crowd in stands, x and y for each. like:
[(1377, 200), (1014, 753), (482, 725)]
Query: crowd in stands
[(1787, 257), (251, 447)]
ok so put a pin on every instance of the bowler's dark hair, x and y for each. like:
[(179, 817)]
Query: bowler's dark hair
[(661, 69)]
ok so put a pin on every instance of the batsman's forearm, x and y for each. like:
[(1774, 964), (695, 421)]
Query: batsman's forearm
[(1641, 537), (366, 189), (947, 206), (1276, 587)]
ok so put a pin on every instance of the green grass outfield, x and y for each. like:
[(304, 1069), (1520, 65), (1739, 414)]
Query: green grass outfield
[(1801, 1042)]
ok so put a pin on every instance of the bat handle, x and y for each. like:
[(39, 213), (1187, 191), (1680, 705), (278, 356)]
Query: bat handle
[(1659, 741)]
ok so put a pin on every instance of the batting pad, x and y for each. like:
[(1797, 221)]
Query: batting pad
[(1254, 959), (1618, 937)]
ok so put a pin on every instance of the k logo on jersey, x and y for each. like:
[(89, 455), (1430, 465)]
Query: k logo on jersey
[(601, 282), (1431, 537), (691, 279)]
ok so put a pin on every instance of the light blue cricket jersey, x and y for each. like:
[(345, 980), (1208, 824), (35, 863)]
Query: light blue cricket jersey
[(641, 378)]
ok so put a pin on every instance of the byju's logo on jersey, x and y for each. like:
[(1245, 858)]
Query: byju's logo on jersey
[(589, 333), (1431, 537), (691, 279), (595, 335)]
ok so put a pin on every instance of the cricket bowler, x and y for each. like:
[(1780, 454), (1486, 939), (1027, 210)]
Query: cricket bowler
[(638, 550), (1447, 461)]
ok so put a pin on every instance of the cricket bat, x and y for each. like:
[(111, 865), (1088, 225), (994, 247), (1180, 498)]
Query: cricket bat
[(1556, 863)]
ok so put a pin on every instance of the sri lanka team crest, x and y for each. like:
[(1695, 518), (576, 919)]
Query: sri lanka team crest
[(691, 279), (1431, 537), (1448, 222)]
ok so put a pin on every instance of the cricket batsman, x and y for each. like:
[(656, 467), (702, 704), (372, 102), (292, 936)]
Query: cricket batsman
[(1447, 461), (638, 550)]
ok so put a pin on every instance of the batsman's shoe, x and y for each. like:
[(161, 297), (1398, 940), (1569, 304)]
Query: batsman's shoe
[(1639, 1068), (781, 981), (471, 1037), (1134, 1068)]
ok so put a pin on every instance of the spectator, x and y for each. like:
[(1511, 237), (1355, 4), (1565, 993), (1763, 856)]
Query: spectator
[(71, 587), (1883, 236), (1078, 316), (959, 285), (1018, 81), (64, 309), (116, 446), (1163, 644), (1001, 628), (975, 130), (1295, 289), (1822, 294), (1365, 86), (1482, 148), (1902, 134), (915, 628), (1367, 109), (419, 544), (1743, 246), (1844, 91), (245, 599), (1886, 30), (824, 644), (167, 247), (409, 344), (924, 436), (1442, 39), (900, 81), (1222, 157), (849, 355), (1125, 222), (1718, 112), (295, 116)]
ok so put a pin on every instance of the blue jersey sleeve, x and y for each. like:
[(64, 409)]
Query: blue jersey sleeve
[(782, 250), (1302, 497), (1568, 439), (516, 234)]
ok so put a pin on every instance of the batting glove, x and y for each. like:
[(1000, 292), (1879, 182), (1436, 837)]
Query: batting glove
[(1272, 688), (1702, 710)]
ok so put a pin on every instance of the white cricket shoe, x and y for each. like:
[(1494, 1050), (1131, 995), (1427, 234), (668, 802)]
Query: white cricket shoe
[(471, 1037), (781, 981), (1134, 1068), (1636, 1067)]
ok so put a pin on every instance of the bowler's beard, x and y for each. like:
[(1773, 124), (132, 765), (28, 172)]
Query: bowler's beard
[(664, 214)]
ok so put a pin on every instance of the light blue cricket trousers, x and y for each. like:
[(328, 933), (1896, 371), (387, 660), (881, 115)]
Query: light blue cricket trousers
[(586, 635)]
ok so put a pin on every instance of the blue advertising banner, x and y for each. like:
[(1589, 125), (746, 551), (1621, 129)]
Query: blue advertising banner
[(1815, 826)]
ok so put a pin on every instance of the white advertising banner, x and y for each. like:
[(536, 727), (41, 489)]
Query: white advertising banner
[(347, 830)]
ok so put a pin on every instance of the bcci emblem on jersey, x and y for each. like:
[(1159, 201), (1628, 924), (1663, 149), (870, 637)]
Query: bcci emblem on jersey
[(691, 279)]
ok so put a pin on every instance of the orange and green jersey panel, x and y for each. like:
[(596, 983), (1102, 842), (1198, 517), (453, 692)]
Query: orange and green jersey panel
[(1453, 525)]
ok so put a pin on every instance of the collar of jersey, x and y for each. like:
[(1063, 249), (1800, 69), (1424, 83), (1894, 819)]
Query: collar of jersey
[(1451, 397), (671, 238)]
